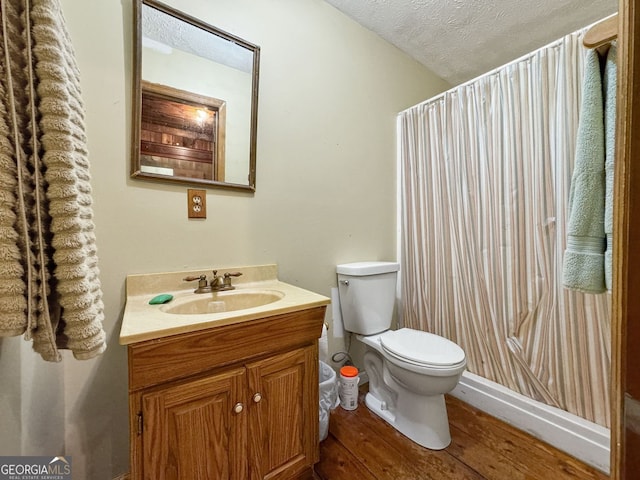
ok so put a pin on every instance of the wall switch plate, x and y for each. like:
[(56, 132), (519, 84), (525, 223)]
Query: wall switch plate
[(197, 203)]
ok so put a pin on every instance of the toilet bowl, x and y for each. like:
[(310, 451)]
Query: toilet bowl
[(409, 370)]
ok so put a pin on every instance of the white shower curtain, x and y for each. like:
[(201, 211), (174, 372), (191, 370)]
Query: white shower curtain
[(485, 177)]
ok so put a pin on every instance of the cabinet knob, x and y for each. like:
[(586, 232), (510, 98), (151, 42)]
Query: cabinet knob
[(238, 407), (257, 397)]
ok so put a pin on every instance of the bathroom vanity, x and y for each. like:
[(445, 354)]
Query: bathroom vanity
[(224, 394)]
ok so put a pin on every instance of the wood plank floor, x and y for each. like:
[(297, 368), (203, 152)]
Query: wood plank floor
[(362, 446)]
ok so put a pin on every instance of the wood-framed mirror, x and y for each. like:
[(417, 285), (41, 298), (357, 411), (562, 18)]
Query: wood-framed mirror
[(195, 101)]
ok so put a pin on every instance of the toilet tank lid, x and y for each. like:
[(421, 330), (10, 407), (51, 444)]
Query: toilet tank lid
[(367, 268)]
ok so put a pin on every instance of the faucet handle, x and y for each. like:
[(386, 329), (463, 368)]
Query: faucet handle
[(227, 279), (232, 274), (202, 282), (193, 278)]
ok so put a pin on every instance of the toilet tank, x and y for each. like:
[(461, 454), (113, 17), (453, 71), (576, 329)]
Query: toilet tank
[(367, 295)]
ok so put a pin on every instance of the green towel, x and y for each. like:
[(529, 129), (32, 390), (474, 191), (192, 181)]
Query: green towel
[(583, 266), (610, 75)]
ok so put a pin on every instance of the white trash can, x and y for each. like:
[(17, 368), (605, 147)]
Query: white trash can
[(328, 393)]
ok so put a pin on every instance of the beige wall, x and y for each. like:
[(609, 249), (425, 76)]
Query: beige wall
[(329, 94)]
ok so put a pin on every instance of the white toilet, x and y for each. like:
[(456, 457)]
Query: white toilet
[(409, 370)]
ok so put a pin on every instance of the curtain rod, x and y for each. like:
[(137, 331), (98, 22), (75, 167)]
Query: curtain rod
[(519, 59), (486, 74)]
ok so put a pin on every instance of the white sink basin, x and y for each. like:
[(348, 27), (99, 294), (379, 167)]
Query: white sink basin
[(218, 302)]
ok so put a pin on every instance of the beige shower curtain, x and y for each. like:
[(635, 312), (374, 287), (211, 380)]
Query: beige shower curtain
[(485, 177)]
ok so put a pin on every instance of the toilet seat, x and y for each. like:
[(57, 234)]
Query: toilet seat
[(422, 350)]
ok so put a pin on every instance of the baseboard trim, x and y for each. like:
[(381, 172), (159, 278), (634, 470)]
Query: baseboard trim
[(570, 433)]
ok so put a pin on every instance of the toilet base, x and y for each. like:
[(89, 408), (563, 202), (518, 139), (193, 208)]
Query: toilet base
[(420, 418)]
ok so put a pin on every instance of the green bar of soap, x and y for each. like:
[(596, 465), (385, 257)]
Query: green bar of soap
[(163, 298)]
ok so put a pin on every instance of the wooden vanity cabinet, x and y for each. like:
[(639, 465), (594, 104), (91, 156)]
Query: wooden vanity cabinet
[(189, 430), (232, 402)]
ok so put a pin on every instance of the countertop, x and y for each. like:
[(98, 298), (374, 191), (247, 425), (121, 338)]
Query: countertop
[(142, 321)]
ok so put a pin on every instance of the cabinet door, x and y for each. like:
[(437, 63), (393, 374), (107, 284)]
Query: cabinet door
[(283, 414), (194, 431)]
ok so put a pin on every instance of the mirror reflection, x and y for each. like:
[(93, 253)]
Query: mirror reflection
[(195, 101)]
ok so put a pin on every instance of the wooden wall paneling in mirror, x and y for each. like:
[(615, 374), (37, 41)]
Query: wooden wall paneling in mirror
[(195, 101)]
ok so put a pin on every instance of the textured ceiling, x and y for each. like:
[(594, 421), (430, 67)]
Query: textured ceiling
[(162, 32), (461, 39)]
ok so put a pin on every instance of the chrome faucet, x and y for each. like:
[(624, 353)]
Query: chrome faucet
[(217, 283)]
